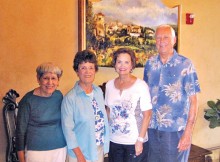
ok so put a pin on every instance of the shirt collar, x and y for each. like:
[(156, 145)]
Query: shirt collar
[(171, 59), (79, 90)]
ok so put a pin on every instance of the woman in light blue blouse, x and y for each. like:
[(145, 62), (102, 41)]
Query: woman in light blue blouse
[(84, 119)]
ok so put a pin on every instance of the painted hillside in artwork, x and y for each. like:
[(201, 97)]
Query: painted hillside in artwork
[(111, 24)]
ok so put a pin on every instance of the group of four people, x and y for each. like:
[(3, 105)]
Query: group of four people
[(148, 120)]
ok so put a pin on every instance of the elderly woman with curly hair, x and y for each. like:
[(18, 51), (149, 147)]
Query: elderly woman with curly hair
[(84, 117)]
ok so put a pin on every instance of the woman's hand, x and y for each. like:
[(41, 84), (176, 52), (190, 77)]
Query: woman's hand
[(79, 155), (21, 156), (81, 159), (138, 148), (144, 126)]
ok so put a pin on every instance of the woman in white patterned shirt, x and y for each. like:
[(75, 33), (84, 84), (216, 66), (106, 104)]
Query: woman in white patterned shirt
[(129, 105)]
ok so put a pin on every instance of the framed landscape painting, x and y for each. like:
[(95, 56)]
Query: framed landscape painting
[(106, 25)]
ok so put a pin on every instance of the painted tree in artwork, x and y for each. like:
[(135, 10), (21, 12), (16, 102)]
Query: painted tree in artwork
[(90, 37)]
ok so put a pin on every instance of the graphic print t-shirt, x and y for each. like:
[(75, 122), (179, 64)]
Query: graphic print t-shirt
[(126, 110)]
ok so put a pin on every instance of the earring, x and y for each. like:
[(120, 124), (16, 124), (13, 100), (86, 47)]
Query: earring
[(131, 70)]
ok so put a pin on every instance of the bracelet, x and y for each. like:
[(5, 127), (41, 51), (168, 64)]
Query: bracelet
[(140, 139)]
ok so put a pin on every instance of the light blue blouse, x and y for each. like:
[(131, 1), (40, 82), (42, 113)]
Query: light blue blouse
[(78, 122)]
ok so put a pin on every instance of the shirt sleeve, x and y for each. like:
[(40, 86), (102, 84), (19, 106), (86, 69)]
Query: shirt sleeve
[(145, 78), (145, 101), (22, 123), (68, 124), (191, 83)]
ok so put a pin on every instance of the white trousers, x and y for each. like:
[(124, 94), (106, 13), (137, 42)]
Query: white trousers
[(100, 156), (57, 155)]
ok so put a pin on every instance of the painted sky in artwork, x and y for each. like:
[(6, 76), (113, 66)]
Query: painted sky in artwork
[(148, 13)]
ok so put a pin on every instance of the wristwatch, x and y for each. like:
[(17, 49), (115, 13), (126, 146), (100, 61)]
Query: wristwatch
[(140, 139)]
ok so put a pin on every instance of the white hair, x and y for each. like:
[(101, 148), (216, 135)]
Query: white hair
[(167, 26)]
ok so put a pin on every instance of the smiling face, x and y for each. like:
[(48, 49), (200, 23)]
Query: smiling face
[(48, 83), (86, 73), (123, 64), (165, 40)]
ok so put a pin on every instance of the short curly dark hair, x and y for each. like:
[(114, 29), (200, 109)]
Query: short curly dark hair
[(127, 51), (84, 56)]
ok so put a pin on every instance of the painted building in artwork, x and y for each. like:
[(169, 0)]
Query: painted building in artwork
[(134, 30), (99, 29)]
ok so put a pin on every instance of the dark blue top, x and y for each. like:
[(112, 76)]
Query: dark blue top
[(39, 122)]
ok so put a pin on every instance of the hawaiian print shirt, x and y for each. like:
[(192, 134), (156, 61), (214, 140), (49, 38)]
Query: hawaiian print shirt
[(170, 85), (99, 123)]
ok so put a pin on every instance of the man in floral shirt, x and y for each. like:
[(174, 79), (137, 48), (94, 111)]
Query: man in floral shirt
[(173, 84)]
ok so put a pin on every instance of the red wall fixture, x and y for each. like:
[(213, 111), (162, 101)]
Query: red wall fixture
[(190, 18)]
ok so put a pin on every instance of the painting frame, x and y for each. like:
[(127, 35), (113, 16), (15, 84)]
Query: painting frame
[(82, 44), (81, 24)]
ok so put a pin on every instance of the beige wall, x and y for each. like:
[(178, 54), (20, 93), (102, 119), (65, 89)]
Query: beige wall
[(32, 32)]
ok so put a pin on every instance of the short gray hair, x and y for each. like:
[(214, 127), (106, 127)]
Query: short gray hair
[(48, 67)]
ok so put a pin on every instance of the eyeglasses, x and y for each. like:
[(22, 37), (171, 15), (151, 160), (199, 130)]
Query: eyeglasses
[(84, 68)]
